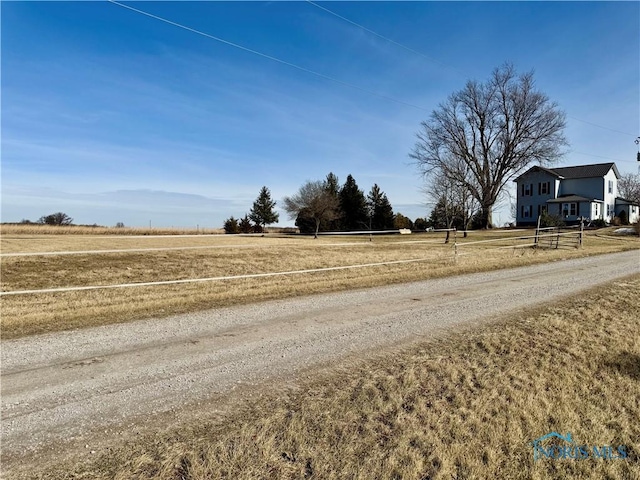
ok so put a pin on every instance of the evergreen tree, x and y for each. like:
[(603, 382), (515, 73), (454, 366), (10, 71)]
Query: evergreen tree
[(446, 215), (380, 209), (353, 206), (245, 225), (231, 225), (332, 185), (400, 221), (305, 222), (420, 224), (262, 212)]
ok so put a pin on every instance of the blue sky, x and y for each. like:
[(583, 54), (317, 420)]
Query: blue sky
[(112, 116)]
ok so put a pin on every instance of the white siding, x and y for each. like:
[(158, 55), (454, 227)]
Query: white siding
[(610, 198)]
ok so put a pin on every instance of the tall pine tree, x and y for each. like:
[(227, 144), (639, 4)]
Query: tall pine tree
[(262, 213), (353, 206), (379, 209), (333, 187)]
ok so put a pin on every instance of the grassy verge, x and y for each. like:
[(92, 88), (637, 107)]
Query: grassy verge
[(48, 312), (466, 405)]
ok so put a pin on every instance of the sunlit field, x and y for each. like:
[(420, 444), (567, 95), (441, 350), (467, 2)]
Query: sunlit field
[(37, 261)]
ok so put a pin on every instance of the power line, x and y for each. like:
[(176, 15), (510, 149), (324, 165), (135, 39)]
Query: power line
[(327, 77), (409, 49), (600, 156), (437, 61), (269, 57), (600, 126)]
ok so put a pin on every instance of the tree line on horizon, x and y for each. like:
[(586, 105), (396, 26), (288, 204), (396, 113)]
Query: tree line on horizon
[(325, 205)]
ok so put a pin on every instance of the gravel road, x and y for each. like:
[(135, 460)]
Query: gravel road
[(57, 387)]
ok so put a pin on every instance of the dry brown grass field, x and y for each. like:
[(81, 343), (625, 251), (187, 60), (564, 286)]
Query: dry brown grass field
[(37, 229), (166, 258), (463, 406)]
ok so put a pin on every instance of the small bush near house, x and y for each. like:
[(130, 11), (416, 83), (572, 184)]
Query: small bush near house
[(548, 220), (623, 218), (599, 223)]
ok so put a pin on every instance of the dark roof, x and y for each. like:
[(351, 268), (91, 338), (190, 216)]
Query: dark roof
[(586, 171), (581, 171), (626, 200), (572, 198), (537, 168)]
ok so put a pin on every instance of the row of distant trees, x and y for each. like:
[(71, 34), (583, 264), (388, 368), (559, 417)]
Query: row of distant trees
[(58, 218), (325, 205), (262, 213)]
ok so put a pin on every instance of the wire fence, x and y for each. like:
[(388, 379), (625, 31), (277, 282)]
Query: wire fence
[(460, 246)]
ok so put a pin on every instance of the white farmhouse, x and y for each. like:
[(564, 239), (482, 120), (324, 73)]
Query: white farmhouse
[(589, 192)]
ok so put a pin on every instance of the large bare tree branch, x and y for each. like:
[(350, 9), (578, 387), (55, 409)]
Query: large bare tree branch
[(488, 133)]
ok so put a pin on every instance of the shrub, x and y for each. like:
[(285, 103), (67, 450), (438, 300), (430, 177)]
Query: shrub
[(420, 224), (245, 225), (599, 223), (231, 225), (548, 220), (623, 218)]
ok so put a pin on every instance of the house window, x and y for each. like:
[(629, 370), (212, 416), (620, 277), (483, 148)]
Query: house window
[(610, 209), (543, 209), (610, 186), (527, 190), (597, 210), (569, 209), (526, 212), (544, 188)]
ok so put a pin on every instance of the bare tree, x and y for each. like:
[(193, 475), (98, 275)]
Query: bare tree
[(58, 218), (629, 187), (315, 201), (453, 203), (488, 133)]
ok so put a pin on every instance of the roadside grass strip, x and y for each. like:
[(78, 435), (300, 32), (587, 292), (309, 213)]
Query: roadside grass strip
[(213, 279)]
